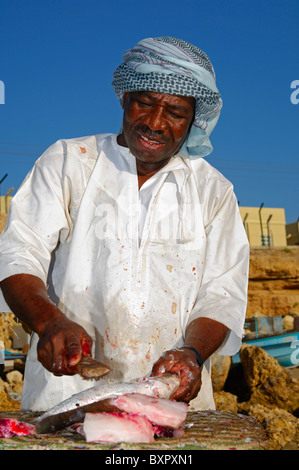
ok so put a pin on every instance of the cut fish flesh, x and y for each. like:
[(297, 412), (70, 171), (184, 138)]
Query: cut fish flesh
[(161, 411), (12, 427), (117, 427), (140, 419)]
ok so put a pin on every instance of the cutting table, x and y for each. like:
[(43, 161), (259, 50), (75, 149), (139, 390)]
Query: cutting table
[(203, 430)]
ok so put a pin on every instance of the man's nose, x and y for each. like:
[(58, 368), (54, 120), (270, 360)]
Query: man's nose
[(156, 119)]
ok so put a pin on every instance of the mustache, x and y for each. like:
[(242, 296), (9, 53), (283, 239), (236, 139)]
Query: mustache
[(148, 132)]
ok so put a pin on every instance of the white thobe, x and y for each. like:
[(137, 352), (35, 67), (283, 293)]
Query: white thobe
[(133, 267)]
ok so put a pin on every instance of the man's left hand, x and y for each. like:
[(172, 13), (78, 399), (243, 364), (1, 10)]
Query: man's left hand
[(182, 362)]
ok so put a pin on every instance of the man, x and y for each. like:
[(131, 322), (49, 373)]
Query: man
[(131, 245)]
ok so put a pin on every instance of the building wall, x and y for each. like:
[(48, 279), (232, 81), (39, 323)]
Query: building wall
[(269, 222), (4, 204), (292, 231)]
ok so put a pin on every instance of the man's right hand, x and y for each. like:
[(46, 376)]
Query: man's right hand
[(61, 346), (62, 342)]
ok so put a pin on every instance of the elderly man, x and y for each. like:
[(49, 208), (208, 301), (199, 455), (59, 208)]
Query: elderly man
[(131, 245)]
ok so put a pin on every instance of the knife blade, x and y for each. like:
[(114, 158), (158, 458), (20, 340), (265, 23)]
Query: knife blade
[(89, 368)]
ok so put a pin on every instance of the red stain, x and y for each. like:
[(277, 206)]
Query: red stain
[(83, 149), (85, 347), (13, 427), (114, 345)]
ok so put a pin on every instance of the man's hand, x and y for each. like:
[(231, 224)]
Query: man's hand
[(206, 336), (182, 362), (61, 346), (61, 341)]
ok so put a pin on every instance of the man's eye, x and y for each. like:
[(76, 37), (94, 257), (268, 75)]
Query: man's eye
[(175, 115), (143, 103)]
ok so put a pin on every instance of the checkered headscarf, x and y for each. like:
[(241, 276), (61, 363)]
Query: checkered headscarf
[(172, 66)]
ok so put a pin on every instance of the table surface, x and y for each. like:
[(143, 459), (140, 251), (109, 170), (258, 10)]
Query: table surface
[(203, 430)]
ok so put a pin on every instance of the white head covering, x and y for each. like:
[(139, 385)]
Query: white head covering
[(172, 66)]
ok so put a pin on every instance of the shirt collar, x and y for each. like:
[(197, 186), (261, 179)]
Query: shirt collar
[(178, 162)]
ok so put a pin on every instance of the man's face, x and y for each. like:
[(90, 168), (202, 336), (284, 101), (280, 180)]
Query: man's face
[(155, 125)]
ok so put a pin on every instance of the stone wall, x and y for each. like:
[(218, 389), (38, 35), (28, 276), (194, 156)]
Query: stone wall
[(273, 288), (260, 387)]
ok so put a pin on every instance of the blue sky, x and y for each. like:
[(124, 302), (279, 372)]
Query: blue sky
[(57, 59)]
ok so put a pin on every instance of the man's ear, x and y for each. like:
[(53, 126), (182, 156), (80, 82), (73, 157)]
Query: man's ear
[(125, 97)]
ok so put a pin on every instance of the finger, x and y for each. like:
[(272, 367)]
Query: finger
[(76, 350), (183, 389), (182, 394), (60, 364), (73, 353), (164, 364), (45, 355), (158, 369)]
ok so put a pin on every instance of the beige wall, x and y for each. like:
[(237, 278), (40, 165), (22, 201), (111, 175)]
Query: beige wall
[(277, 225), (4, 204)]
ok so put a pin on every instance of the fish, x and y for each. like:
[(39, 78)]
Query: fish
[(142, 418), (91, 369), (98, 399), (160, 411), (13, 427), (121, 427), (117, 427)]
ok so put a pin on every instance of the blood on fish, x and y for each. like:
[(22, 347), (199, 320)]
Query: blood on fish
[(13, 427), (162, 431)]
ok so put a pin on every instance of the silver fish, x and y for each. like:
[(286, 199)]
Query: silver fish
[(98, 398)]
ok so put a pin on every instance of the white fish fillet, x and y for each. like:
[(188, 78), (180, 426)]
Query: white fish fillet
[(161, 387), (168, 413), (117, 427)]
